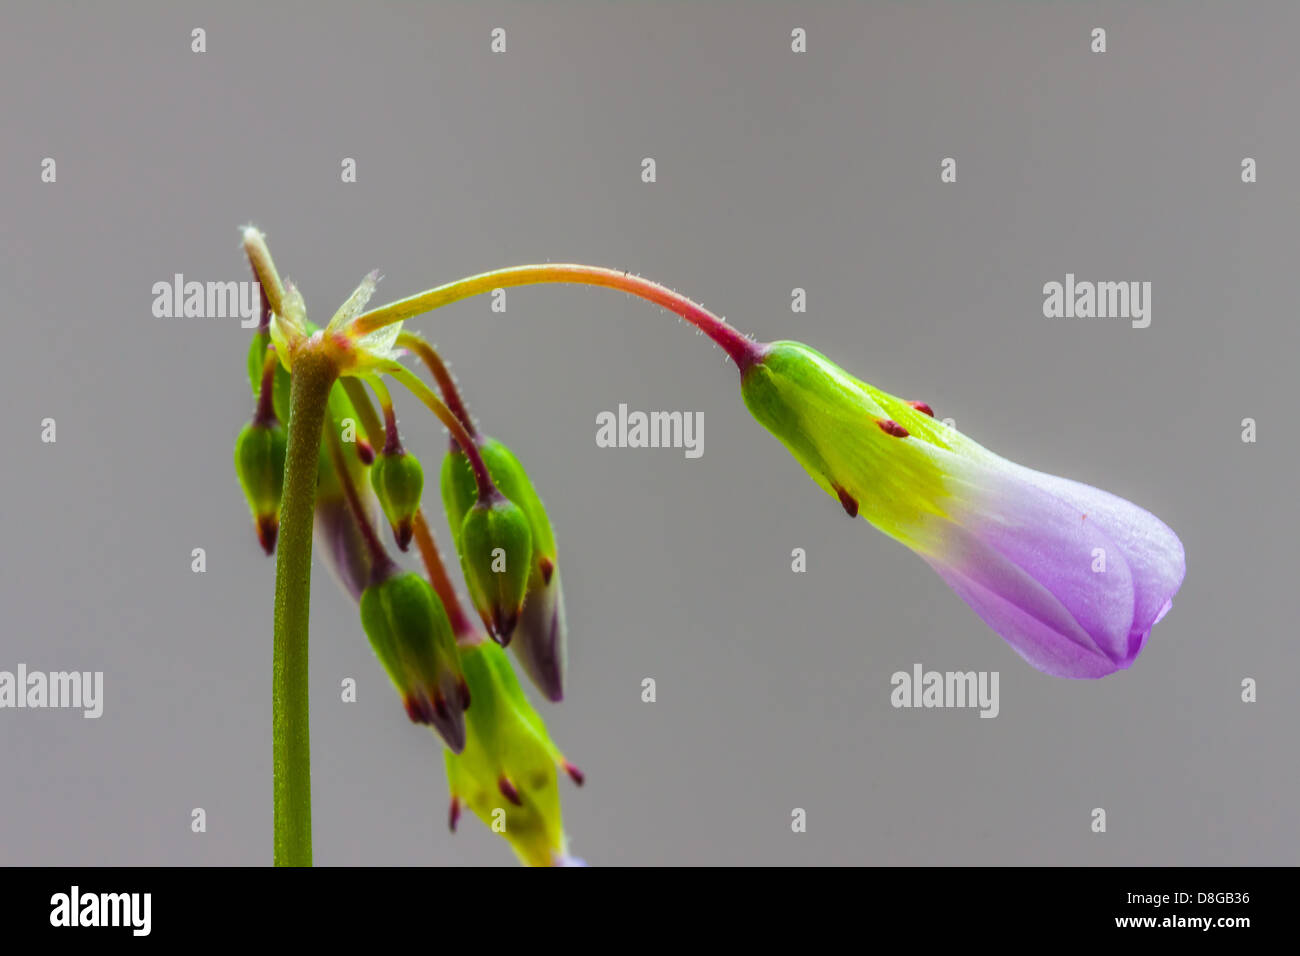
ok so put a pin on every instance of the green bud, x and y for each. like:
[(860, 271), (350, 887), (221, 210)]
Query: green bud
[(496, 549), (459, 490), (509, 763), (398, 481), (412, 637), (540, 638), (259, 463)]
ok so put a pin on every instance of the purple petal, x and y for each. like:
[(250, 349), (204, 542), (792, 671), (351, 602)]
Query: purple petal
[(1025, 551), (1154, 554)]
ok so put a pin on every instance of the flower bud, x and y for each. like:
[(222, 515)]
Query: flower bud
[(509, 762), (398, 481), (496, 547), (412, 637), (540, 638), (339, 541), (259, 463), (1072, 577)]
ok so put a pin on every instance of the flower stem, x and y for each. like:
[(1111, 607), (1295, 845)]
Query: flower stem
[(441, 374), (487, 489), (743, 351), (313, 376), (370, 423), (265, 412), (442, 585), (392, 440)]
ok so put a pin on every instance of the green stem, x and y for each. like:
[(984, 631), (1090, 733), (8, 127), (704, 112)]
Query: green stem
[(742, 351), (313, 376)]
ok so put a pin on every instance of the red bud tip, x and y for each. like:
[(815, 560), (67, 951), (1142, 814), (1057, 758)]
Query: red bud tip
[(923, 408), (464, 695), (454, 816), (509, 792), (547, 567), (418, 709), (848, 501), (503, 626), (574, 773), (891, 427), (268, 526), (365, 453), (403, 532)]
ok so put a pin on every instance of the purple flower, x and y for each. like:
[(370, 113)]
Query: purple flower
[(1073, 578)]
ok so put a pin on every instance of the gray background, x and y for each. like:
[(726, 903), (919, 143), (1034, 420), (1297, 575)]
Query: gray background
[(775, 170)]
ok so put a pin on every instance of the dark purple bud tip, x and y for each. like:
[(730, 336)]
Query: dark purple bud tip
[(509, 792), (923, 408), (464, 694), (576, 775), (268, 526), (440, 707), (418, 709), (848, 501), (453, 817), (503, 625), (365, 452), (547, 567), (891, 427), (403, 531)]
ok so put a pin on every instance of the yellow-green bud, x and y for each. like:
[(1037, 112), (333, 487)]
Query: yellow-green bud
[(507, 772)]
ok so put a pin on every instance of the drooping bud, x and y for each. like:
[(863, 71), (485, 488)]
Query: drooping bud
[(1015, 544), (339, 541), (507, 772), (496, 547), (540, 638), (398, 480), (412, 637), (259, 463)]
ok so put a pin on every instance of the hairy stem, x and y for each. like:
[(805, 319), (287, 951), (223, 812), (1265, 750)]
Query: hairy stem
[(441, 374), (392, 440), (438, 577), (313, 376), (742, 351), (486, 487)]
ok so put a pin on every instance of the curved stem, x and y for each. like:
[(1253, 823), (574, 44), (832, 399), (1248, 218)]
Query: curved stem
[(441, 374), (265, 412), (743, 351), (460, 624), (392, 441), (313, 376), (486, 488), (370, 424)]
